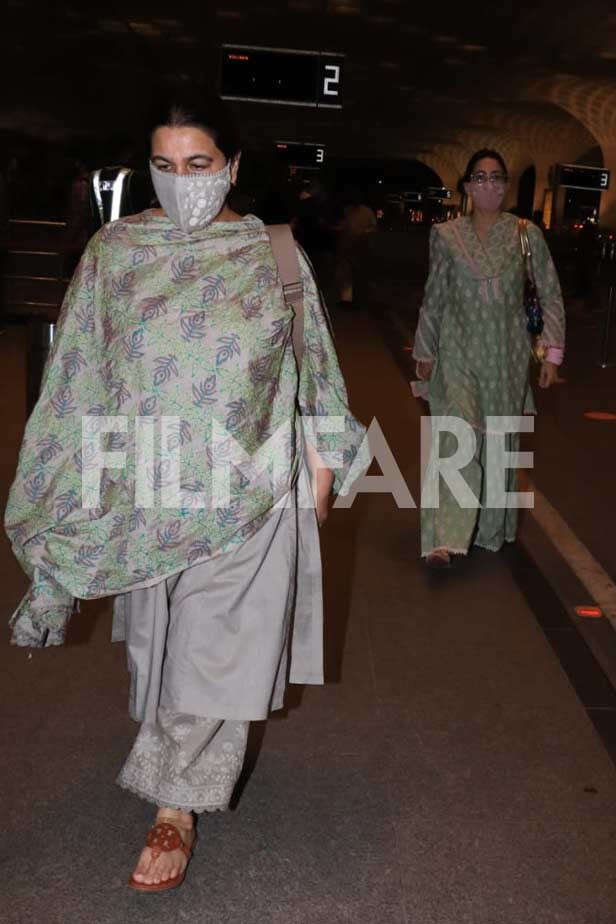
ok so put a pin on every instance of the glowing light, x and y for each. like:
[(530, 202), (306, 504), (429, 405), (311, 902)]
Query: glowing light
[(600, 415), (589, 612)]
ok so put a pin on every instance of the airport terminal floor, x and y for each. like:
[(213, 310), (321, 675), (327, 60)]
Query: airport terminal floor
[(456, 768)]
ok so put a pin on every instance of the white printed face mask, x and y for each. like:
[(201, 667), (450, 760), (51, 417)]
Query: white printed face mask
[(191, 200)]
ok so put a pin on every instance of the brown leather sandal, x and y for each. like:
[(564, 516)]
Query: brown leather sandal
[(162, 838)]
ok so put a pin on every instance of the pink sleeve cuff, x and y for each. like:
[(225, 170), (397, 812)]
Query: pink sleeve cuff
[(555, 355)]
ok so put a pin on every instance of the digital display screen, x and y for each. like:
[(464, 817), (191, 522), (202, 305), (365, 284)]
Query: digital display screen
[(279, 75), (301, 154), (577, 177)]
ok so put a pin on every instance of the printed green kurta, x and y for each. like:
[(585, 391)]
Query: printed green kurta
[(159, 324), (472, 324)]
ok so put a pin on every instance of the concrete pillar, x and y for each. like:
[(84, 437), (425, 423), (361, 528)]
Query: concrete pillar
[(607, 210)]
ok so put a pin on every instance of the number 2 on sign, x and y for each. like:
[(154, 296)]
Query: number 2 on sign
[(330, 83)]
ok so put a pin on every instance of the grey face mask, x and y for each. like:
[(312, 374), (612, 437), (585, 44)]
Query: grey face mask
[(193, 200)]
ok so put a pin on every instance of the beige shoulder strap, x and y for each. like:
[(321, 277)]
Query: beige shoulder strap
[(285, 254)]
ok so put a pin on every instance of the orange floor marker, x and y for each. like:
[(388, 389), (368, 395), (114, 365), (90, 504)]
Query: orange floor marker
[(599, 415)]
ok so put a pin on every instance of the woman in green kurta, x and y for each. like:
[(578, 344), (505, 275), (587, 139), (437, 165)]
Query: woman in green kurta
[(472, 350), (174, 355)]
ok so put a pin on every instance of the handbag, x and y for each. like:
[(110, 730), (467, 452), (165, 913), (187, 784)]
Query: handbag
[(532, 304)]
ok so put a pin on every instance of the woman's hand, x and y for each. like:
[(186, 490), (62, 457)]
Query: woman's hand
[(321, 481), (548, 375), (424, 369), (322, 493)]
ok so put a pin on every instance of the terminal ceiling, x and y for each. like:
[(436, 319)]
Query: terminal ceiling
[(537, 80)]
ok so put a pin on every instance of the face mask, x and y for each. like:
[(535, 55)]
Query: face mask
[(193, 200), (488, 197)]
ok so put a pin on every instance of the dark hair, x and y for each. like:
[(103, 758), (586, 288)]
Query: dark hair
[(190, 107), (480, 155)]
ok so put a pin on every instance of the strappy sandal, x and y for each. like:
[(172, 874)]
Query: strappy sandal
[(164, 837)]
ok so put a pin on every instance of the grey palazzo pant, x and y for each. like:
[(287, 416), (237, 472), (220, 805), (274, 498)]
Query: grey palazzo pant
[(208, 650)]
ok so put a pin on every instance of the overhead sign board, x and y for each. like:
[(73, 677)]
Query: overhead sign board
[(576, 176), (282, 75), (301, 154)]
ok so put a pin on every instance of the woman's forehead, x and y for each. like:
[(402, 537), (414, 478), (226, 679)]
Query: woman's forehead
[(487, 165), (185, 139)]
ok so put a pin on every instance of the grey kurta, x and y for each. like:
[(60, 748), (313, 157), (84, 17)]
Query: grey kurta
[(228, 622)]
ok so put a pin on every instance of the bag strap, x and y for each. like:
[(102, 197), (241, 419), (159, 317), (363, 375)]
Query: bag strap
[(285, 254), (527, 253)]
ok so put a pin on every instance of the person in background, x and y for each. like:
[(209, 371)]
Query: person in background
[(472, 349), (358, 220)]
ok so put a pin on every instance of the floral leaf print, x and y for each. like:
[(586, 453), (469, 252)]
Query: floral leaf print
[(118, 526), (265, 276), (122, 393), (260, 370), (252, 307), (158, 475), (69, 529), (72, 362), (143, 574), (179, 434), (169, 537), (98, 584), (108, 331), (237, 414), (136, 519), (113, 230), (65, 504), (86, 464), (198, 550), (183, 269), (50, 448), (97, 513), (228, 516), (280, 330), (97, 410), (89, 277), (122, 286), (122, 553), (165, 369), (143, 254), (133, 344), (202, 393), (242, 255), (244, 482), (193, 326), (147, 407), (63, 403), (35, 488), (229, 346), (192, 487), (176, 234), (152, 308), (50, 567), (213, 290), (88, 554), (86, 318)]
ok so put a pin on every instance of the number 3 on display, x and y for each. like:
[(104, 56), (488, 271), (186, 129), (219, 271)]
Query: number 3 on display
[(331, 80), (605, 178)]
